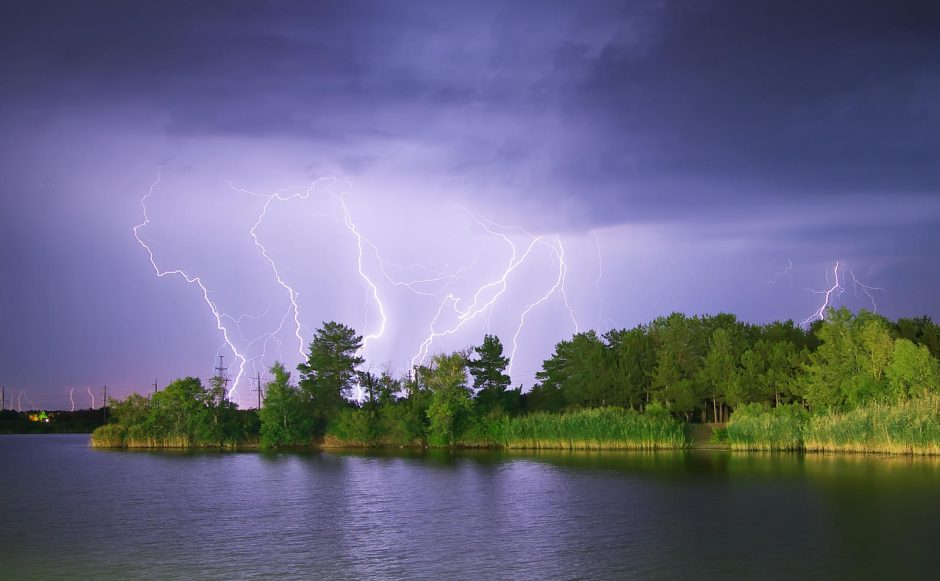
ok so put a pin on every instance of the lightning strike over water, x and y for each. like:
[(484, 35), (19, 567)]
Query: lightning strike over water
[(292, 294), (475, 308), (559, 285), (564, 294), (216, 312), (458, 308), (71, 400), (360, 240)]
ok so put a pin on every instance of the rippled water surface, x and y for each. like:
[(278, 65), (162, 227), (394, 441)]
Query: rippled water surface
[(69, 511)]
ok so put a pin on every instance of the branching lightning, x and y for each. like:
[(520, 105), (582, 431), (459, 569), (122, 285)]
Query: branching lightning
[(836, 289), (360, 240), (377, 273), (465, 315), (557, 287), (92, 396), (216, 312), (292, 294), (866, 289)]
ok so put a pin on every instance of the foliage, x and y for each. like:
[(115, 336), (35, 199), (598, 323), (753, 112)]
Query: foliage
[(182, 415), (907, 427), (328, 375), (446, 379), (757, 427), (594, 429), (282, 420), (488, 370)]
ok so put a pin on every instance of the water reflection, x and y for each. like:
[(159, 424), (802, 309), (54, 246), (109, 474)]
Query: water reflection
[(71, 511)]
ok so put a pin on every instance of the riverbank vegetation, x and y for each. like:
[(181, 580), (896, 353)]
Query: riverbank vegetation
[(853, 382)]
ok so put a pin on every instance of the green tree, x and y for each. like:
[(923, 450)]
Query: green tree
[(680, 349), (178, 412), (446, 380), (488, 370), (219, 422), (329, 374), (913, 371), (920, 331), (282, 418), (634, 356), (720, 372)]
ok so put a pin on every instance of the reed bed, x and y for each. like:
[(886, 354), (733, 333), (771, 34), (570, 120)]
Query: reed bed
[(907, 427), (753, 427), (594, 429)]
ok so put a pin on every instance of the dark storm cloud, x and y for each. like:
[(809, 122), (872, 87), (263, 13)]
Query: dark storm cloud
[(633, 111), (794, 98)]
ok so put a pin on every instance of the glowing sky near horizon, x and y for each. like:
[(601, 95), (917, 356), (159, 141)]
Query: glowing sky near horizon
[(699, 157)]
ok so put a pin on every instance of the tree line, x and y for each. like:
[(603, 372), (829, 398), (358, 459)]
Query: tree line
[(696, 368)]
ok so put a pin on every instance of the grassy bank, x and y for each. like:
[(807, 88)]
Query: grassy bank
[(594, 429), (907, 427), (589, 429), (752, 427)]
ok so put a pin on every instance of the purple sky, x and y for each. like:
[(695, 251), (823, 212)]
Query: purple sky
[(680, 154)]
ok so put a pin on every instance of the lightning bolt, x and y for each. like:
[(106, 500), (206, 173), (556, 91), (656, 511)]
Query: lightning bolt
[(374, 290), (287, 194), (828, 298), (564, 294), (475, 308), (19, 402), (191, 280), (597, 281), (784, 273), (558, 286), (834, 291), (374, 270), (93, 406), (71, 400), (856, 284)]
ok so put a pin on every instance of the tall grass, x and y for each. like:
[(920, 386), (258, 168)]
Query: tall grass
[(907, 427), (753, 427), (109, 436), (593, 429), (143, 436)]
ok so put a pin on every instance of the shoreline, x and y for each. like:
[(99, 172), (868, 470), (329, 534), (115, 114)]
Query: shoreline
[(692, 447)]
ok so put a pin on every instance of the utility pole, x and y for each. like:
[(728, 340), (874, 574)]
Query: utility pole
[(155, 387), (104, 405), (258, 389), (221, 375)]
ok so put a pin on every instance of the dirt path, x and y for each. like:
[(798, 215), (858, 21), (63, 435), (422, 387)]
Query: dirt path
[(700, 435)]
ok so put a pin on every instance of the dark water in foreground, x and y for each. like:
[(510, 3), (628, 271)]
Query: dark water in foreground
[(69, 511)]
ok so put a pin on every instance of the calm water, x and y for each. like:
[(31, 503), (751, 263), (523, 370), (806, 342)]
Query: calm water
[(69, 511)]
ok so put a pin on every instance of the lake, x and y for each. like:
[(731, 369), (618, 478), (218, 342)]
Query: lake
[(69, 511)]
